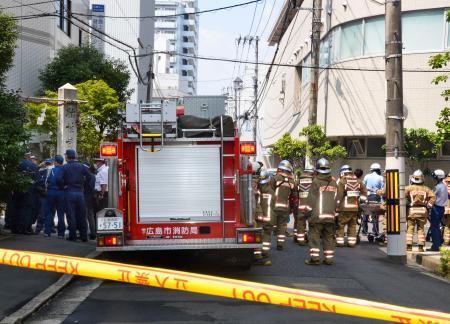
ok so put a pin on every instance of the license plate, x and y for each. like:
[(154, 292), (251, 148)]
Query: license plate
[(109, 224)]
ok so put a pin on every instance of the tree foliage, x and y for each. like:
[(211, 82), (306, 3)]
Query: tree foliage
[(296, 150), (74, 64), (421, 145), (12, 116)]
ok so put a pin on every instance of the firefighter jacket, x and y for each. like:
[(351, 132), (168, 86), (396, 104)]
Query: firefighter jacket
[(264, 203), (304, 184), (447, 183), (322, 199), (282, 185), (350, 191), (419, 197), (293, 200)]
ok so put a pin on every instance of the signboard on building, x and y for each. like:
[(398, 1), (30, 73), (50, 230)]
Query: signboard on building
[(98, 27)]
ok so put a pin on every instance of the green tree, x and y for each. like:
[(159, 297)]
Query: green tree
[(100, 117), (421, 145), (288, 148), (12, 116), (74, 64), (320, 146)]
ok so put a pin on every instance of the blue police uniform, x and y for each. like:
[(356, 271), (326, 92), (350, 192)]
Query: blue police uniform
[(55, 201), (373, 182), (436, 214), (72, 177)]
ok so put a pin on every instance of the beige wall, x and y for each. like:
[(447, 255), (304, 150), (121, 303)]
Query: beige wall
[(355, 102)]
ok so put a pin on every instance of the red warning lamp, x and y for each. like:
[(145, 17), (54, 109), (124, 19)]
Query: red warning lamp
[(108, 150), (248, 148)]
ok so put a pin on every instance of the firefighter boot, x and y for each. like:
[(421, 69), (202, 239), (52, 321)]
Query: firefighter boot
[(263, 262), (327, 262), (408, 247), (421, 249), (312, 262)]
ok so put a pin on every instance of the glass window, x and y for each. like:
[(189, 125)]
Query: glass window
[(324, 52), (375, 147), (445, 149), (423, 30), (356, 147), (351, 40), (374, 35), (306, 71)]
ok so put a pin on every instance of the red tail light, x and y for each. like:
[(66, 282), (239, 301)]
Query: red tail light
[(108, 150), (250, 237), (109, 240), (248, 148)]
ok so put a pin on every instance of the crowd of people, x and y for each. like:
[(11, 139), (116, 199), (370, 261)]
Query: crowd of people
[(326, 210), (73, 192)]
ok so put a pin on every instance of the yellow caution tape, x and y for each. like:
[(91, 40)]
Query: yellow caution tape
[(217, 286)]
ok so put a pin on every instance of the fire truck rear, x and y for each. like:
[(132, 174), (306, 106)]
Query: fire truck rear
[(179, 183)]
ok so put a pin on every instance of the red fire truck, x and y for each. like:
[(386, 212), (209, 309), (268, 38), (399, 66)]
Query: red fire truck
[(179, 183)]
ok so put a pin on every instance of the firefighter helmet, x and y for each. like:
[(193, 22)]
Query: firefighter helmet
[(323, 166), (345, 169), (375, 166), (256, 167), (417, 177), (438, 174), (264, 176), (285, 165)]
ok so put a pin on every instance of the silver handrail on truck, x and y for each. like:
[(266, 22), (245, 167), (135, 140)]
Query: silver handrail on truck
[(151, 109), (222, 179)]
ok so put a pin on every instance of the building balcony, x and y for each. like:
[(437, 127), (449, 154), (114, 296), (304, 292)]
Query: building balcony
[(189, 10), (165, 24), (191, 22), (190, 33)]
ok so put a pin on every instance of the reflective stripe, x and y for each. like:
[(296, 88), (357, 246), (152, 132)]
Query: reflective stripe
[(266, 243), (329, 256), (352, 239), (257, 252), (328, 251), (326, 216), (265, 248), (340, 240), (348, 205), (300, 235), (314, 250), (263, 218), (314, 254), (283, 236)]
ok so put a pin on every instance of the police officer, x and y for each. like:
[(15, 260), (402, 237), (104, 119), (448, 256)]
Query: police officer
[(374, 181), (72, 178), (437, 211), (304, 184), (264, 215), (350, 191), (55, 200), (447, 213), (42, 188), (90, 201), (101, 184), (282, 184), (419, 197), (322, 199)]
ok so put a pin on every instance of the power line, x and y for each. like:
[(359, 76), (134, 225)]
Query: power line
[(27, 5), (174, 15)]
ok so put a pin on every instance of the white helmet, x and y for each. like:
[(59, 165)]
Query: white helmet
[(264, 176), (256, 167), (438, 174), (323, 166), (375, 166), (417, 177), (345, 169), (285, 165)]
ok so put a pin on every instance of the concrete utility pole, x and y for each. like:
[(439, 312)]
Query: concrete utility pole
[(395, 154), (315, 60), (67, 119), (255, 89)]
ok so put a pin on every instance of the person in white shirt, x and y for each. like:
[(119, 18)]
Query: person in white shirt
[(437, 211), (101, 184)]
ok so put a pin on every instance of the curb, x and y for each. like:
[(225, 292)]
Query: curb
[(34, 304), (430, 261)]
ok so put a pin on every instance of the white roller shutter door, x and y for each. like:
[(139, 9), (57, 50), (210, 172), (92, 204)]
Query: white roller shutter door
[(179, 182)]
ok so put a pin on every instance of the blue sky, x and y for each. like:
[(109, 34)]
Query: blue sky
[(217, 37)]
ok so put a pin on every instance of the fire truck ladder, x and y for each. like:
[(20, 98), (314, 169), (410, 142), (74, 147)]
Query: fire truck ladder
[(155, 126)]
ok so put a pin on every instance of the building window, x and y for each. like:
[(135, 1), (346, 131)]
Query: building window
[(445, 149), (80, 37), (184, 62), (184, 73), (351, 40), (185, 39), (185, 50), (186, 16), (306, 70), (64, 11), (374, 35), (356, 147), (423, 30), (324, 52), (297, 89), (185, 27), (375, 147)]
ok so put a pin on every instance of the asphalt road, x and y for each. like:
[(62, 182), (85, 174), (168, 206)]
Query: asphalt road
[(363, 272)]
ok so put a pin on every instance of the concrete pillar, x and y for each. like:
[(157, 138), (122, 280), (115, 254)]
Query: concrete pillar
[(67, 119)]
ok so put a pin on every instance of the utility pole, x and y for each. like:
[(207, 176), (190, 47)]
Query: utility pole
[(315, 59), (255, 89), (395, 153)]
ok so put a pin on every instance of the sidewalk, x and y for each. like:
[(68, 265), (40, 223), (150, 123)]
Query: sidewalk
[(429, 260), (18, 285)]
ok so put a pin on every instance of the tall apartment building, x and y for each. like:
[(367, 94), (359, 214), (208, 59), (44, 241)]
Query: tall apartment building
[(40, 38), (119, 19), (176, 75), (352, 102)]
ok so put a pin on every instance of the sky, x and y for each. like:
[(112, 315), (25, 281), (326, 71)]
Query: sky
[(217, 38)]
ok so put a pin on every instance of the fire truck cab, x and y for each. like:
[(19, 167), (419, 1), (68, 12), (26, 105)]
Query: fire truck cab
[(179, 183)]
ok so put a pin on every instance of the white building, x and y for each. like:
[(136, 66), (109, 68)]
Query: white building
[(119, 20), (176, 75), (40, 38), (352, 103)]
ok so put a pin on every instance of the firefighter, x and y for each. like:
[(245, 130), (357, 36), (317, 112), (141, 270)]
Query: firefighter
[(282, 184), (419, 198), (304, 184), (322, 201), (264, 218), (293, 203), (350, 191), (447, 213)]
